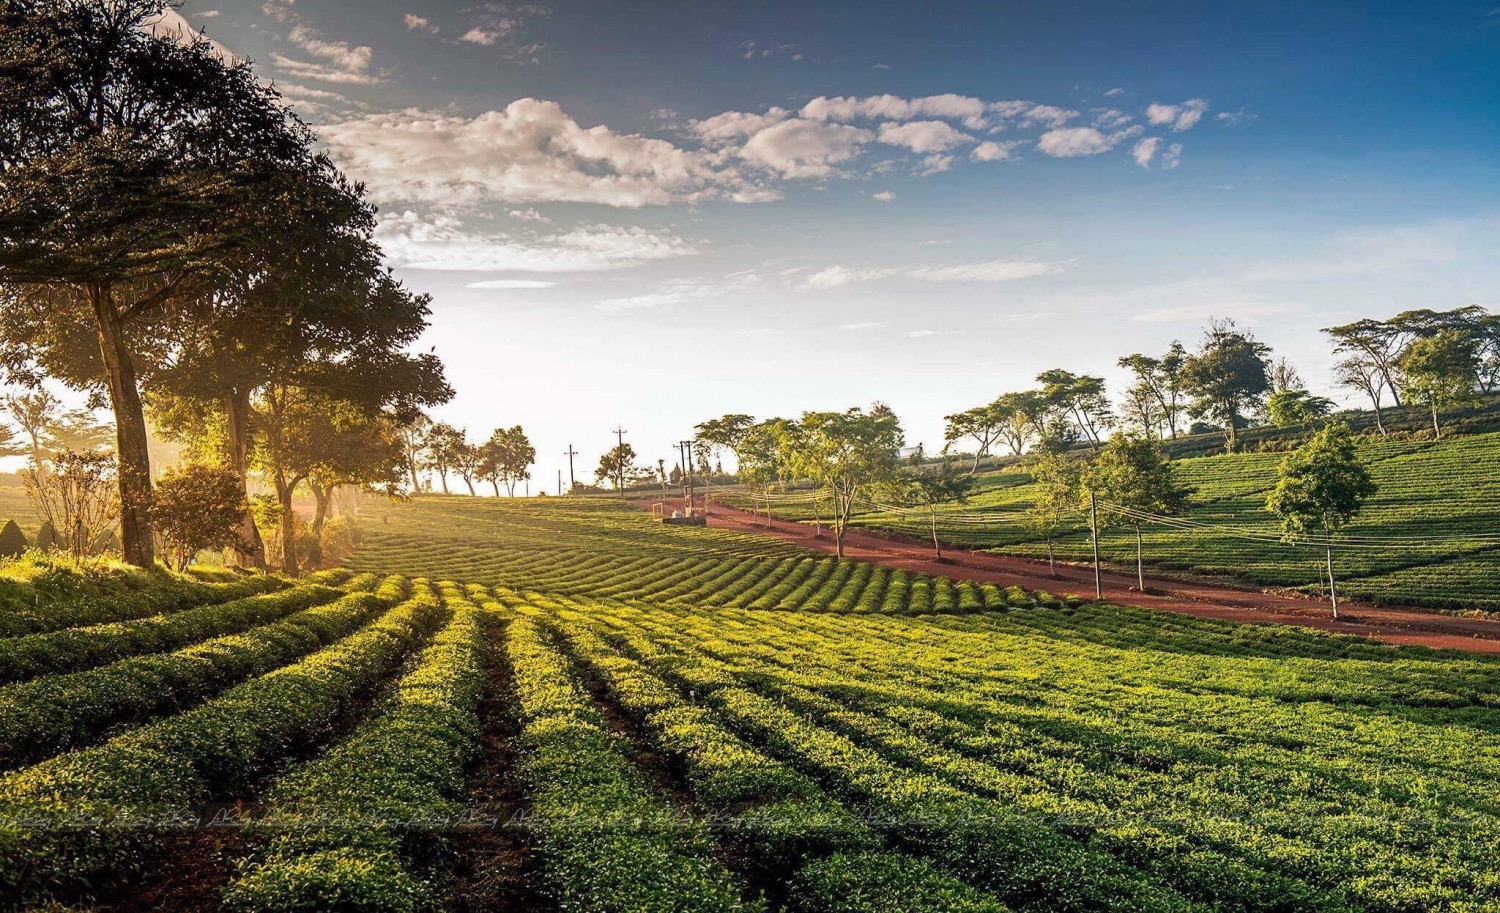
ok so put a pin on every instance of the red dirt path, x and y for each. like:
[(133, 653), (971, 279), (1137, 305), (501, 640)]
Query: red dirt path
[(1409, 627)]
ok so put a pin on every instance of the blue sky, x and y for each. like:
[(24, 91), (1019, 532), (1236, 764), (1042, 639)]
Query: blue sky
[(652, 213)]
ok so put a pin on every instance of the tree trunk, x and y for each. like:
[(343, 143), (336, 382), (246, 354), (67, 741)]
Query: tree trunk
[(1333, 590), (411, 470), (496, 483), (1140, 565), (469, 482), (1379, 419), (443, 476), (937, 546), (1436, 431), (130, 430), (323, 498), (251, 549), (1231, 431), (288, 527)]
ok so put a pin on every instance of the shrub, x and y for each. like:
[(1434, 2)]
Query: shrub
[(12, 540)]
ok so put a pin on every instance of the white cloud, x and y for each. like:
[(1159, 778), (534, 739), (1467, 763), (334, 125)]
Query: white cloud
[(1179, 117), (478, 35), (1145, 151), (936, 163), (1068, 142), (415, 23), (171, 24), (1171, 156), (680, 291), (973, 113), (803, 148), (1235, 118), (991, 151), (442, 242), (527, 215), (1115, 92), (353, 62), (884, 196), (511, 284), (923, 135), (735, 125), (983, 271), (865, 325), (302, 69), (530, 152)]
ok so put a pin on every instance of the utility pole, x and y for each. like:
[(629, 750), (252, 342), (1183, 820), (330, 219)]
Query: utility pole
[(620, 463), (572, 482), (685, 453), (559, 483), (1094, 530)]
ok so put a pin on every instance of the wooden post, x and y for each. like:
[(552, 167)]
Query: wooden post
[(1094, 531), (1333, 590)]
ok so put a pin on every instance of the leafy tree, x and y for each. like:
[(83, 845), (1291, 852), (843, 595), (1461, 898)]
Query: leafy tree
[(46, 537), (1135, 478), (1284, 376), (413, 438), (1057, 479), (357, 450), (135, 169), (723, 433), (1158, 381), (443, 446), (618, 467), (467, 462), (35, 412), (764, 459), (1288, 407), (198, 508), (1321, 488), (507, 457), (12, 540), (849, 453), (1372, 348), (1081, 397), (1227, 378), (1442, 369), (928, 485), (1023, 418), (982, 424)]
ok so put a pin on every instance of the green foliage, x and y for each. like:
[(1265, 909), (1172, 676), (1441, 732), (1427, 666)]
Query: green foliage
[(12, 540), (1133, 473), (1288, 408), (197, 508), (1322, 485), (1227, 378)]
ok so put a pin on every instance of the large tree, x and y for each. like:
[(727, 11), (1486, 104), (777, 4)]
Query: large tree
[(981, 424), (1228, 377), (134, 169), (444, 447), (506, 458), (1135, 479), (929, 485), (849, 453), (1157, 393), (1443, 370), (1081, 398), (1322, 487)]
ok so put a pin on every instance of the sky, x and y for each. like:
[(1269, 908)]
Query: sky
[(642, 215)]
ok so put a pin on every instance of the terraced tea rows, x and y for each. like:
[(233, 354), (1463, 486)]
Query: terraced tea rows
[(689, 729)]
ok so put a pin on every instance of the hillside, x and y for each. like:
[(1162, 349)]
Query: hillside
[(1425, 539)]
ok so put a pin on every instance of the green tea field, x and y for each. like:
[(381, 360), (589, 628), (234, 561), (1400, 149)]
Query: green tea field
[(562, 705)]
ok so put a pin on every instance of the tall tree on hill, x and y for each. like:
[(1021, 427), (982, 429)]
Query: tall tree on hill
[(981, 424), (1158, 380), (413, 436), (1081, 397), (1322, 487), (1023, 418), (1358, 372), (1371, 347), (849, 453), (1443, 370), (1227, 378), (1135, 478), (723, 433), (1056, 478), (617, 466), (133, 169)]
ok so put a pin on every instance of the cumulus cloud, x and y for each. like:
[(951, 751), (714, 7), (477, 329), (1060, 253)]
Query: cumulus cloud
[(973, 113), (923, 135), (532, 152), (804, 148), (1171, 156), (1145, 151), (419, 23), (991, 151), (1179, 117), (344, 63), (1069, 142), (442, 242), (735, 125), (884, 196), (983, 271)]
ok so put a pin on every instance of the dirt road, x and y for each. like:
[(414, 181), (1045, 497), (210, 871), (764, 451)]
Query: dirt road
[(1394, 625)]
